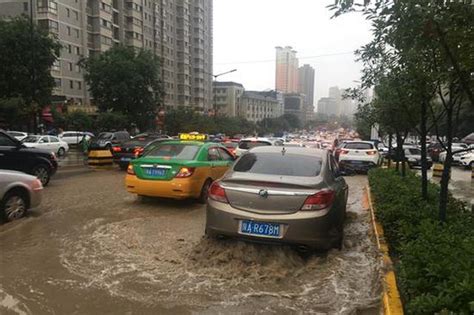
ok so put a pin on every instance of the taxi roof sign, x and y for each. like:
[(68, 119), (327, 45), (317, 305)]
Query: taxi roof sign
[(192, 136)]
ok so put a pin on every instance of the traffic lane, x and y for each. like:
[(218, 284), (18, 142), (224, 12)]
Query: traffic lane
[(93, 248)]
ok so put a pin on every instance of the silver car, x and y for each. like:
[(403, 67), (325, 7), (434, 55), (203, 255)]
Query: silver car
[(18, 193), (278, 194)]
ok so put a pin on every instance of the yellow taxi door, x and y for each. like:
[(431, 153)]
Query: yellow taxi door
[(227, 160), (215, 162)]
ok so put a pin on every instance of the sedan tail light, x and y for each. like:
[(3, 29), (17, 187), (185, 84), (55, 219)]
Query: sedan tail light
[(36, 185), (372, 152), (185, 172), (130, 170), (319, 201), (116, 149), (217, 193), (137, 151), (344, 152)]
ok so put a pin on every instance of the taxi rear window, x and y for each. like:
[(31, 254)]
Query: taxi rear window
[(247, 144), (173, 151)]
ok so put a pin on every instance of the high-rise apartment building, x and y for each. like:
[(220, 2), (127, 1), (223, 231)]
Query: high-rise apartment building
[(178, 31), (286, 75)]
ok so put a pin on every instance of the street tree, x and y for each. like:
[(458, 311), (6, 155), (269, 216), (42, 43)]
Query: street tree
[(433, 40), (125, 81), (27, 54)]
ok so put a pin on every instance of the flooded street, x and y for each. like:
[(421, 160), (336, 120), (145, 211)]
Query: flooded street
[(92, 248)]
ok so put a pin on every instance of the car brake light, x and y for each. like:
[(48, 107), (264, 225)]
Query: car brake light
[(116, 149), (137, 151), (371, 152), (344, 152), (185, 172), (130, 170), (217, 193), (319, 201)]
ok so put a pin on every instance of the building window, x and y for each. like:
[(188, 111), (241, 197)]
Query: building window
[(68, 13), (69, 31), (25, 6), (76, 15), (69, 49), (70, 66), (57, 82), (56, 66), (78, 50), (79, 85), (76, 32), (71, 84)]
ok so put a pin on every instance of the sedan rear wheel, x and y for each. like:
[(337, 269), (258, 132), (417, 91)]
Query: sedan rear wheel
[(14, 206), (61, 151)]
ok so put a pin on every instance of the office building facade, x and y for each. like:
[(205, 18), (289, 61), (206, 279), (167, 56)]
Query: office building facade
[(178, 31), (306, 84)]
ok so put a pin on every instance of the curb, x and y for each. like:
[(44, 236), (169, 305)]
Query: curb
[(392, 303)]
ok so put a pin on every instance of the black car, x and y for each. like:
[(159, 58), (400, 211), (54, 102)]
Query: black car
[(17, 157), (108, 140), (133, 148), (412, 156)]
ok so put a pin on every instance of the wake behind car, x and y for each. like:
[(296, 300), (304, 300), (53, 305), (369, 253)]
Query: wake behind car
[(16, 156), (178, 169), (358, 156), (18, 193), (133, 148), (277, 194)]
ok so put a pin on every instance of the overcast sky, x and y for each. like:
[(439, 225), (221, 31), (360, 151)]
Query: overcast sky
[(247, 31)]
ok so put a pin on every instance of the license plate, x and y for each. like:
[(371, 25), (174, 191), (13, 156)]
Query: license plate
[(260, 229), (125, 159), (155, 172)]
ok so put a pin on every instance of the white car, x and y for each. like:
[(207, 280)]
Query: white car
[(249, 143), (457, 156), (358, 156), (467, 160), (18, 193), (74, 137), (48, 143), (19, 135)]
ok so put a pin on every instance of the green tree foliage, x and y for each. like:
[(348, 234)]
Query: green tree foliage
[(110, 121), (126, 81), (79, 121), (293, 121), (27, 54), (13, 111)]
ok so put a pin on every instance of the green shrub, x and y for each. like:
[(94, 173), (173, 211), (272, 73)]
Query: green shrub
[(434, 261)]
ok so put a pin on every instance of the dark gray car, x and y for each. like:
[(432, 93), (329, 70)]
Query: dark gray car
[(277, 194)]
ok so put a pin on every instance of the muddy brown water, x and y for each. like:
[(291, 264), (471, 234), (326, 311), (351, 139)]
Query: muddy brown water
[(91, 248)]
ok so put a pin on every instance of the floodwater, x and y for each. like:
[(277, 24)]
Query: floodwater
[(91, 248)]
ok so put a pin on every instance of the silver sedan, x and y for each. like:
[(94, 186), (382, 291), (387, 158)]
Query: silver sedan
[(18, 193), (278, 194)]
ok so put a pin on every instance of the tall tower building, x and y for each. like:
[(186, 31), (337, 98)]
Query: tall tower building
[(178, 31), (306, 84), (286, 76)]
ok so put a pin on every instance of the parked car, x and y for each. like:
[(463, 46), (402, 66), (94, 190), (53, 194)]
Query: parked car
[(18, 193), (133, 148), (456, 156), (19, 135), (108, 140), (412, 156), (249, 143), (467, 160), (231, 146), (434, 149), (48, 143), (469, 139), (14, 155), (284, 195), (75, 137), (358, 156)]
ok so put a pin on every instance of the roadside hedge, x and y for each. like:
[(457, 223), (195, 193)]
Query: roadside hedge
[(434, 261)]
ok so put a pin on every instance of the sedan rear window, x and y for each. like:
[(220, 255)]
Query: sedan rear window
[(358, 146), (279, 164), (174, 151), (247, 144)]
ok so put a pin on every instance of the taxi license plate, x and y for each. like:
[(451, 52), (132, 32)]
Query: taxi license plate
[(260, 229), (155, 172), (125, 159)]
